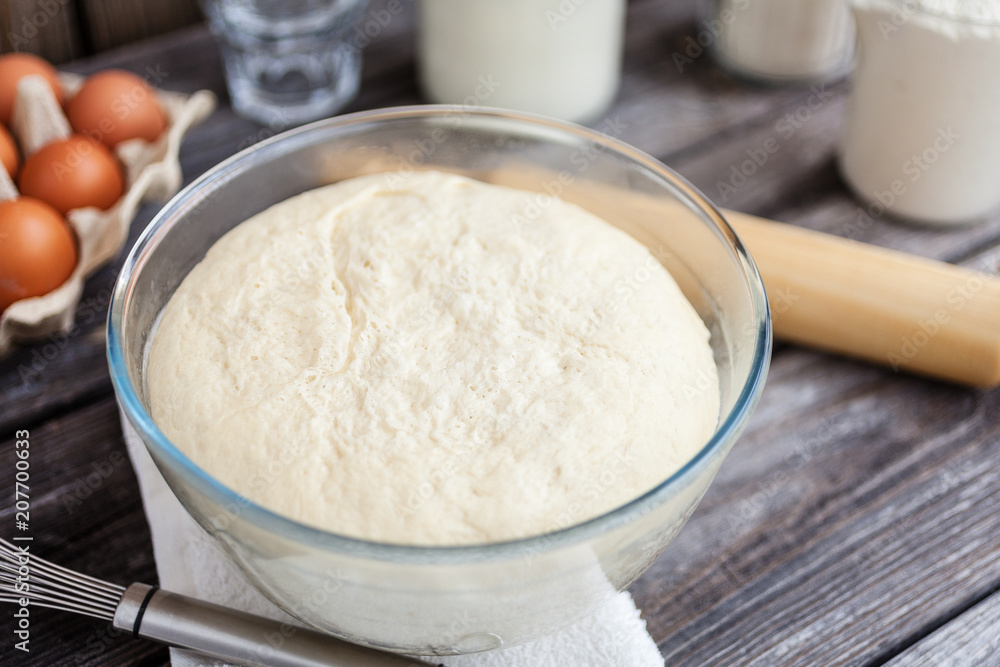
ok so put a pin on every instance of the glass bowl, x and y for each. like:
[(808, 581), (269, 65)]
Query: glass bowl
[(446, 600)]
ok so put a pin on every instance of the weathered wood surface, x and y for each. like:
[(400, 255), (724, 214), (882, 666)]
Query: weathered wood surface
[(854, 523), (111, 23), (61, 30), (51, 31), (972, 639)]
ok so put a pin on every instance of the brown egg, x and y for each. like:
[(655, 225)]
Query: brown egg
[(114, 106), (73, 173), (37, 250), (13, 66), (8, 152)]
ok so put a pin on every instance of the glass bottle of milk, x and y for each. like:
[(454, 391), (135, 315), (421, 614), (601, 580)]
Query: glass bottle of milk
[(559, 58)]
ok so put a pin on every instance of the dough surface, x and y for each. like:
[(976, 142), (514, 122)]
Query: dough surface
[(394, 358)]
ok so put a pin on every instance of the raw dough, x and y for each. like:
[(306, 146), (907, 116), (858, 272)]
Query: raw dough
[(395, 358)]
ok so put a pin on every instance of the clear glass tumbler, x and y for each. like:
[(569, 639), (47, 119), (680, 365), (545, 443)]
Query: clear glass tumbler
[(288, 61)]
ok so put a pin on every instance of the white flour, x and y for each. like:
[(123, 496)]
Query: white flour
[(785, 39), (922, 136), (982, 11)]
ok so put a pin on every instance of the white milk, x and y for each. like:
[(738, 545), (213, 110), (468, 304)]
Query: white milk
[(784, 40), (923, 125), (560, 58)]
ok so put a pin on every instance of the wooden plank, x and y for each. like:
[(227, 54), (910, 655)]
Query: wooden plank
[(970, 640), (48, 28), (111, 23), (86, 514)]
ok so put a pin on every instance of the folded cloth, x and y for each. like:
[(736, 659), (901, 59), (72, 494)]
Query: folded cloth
[(188, 562)]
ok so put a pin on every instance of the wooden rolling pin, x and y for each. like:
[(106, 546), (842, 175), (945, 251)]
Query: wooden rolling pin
[(889, 307)]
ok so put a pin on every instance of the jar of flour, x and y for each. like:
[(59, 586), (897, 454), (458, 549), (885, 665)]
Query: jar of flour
[(922, 138), (784, 41)]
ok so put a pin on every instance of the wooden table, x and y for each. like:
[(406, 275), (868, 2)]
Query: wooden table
[(855, 523)]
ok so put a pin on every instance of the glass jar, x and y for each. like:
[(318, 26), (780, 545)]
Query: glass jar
[(784, 41), (551, 57), (922, 138)]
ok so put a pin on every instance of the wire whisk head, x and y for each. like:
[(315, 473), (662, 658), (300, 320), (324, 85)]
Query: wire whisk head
[(45, 584)]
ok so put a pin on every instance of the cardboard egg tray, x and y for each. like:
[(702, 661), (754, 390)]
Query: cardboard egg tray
[(152, 172)]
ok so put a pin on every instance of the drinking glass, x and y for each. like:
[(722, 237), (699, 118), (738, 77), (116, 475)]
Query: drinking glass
[(288, 62)]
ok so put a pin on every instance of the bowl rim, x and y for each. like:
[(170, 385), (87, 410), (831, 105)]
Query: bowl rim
[(166, 453)]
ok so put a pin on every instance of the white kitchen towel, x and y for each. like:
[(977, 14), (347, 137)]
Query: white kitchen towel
[(188, 562)]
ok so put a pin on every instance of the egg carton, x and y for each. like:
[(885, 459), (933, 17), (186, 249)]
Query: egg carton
[(152, 172)]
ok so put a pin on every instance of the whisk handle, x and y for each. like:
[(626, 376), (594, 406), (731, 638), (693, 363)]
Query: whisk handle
[(228, 634)]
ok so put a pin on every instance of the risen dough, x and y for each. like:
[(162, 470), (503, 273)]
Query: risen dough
[(395, 358)]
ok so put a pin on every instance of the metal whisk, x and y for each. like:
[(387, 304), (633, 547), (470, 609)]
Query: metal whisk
[(49, 585), (177, 620)]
